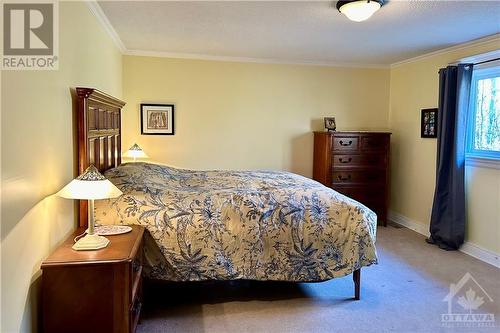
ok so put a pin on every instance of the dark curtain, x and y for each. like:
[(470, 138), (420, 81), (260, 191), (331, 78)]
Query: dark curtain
[(448, 210)]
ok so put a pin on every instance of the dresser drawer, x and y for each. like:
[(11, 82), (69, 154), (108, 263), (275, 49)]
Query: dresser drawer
[(374, 142), (355, 163), (358, 176), (372, 197), (345, 143), (358, 160), (361, 193), (377, 206)]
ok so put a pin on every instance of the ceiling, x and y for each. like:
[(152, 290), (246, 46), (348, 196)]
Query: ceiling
[(299, 31)]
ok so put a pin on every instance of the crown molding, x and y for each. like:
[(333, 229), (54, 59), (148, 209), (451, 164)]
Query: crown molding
[(196, 56), (475, 42), (103, 20)]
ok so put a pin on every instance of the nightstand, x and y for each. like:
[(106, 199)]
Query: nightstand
[(94, 291)]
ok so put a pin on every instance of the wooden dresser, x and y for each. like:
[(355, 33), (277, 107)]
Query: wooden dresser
[(94, 291), (355, 164)]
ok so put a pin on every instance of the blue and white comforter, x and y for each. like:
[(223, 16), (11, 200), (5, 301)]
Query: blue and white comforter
[(259, 225)]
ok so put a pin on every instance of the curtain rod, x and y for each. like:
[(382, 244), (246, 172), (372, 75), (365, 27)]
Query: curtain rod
[(495, 56), (486, 61)]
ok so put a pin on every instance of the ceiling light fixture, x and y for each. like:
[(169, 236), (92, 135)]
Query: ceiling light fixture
[(359, 10)]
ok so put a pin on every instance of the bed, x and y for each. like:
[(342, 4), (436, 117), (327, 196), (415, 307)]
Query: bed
[(225, 225)]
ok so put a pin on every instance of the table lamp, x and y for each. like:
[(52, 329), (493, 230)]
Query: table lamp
[(90, 185), (136, 152)]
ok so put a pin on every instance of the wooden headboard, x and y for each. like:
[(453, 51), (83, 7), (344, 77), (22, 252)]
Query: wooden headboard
[(98, 122)]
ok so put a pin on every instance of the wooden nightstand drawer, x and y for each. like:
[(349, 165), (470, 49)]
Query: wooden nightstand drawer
[(136, 274), (135, 309), (93, 291)]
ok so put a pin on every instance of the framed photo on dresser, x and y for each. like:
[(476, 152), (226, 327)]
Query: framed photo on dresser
[(330, 124), (157, 119)]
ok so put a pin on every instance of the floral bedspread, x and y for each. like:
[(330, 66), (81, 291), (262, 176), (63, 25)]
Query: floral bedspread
[(224, 225)]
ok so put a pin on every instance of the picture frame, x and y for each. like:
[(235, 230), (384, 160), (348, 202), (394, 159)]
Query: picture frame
[(428, 123), (157, 119), (330, 124)]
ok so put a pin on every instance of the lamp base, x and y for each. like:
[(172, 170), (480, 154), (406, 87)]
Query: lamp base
[(91, 242)]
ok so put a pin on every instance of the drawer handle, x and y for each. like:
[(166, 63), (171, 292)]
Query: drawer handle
[(345, 144), (344, 178), (341, 160)]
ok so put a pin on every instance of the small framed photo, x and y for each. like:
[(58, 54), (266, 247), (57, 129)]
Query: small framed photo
[(330, 124), (428, 125), (157, 119)]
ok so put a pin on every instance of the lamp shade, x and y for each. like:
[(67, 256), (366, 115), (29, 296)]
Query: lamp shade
[(359, 10), (90, 185), (136, 152)]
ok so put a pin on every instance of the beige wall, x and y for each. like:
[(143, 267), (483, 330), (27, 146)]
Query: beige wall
[(37, 157), (414, 86), (246, 115)]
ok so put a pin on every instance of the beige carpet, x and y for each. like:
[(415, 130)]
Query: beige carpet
[(403, 293)]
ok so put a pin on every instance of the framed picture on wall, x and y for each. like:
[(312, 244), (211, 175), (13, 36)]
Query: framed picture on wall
[(428, 123), (157, 119)]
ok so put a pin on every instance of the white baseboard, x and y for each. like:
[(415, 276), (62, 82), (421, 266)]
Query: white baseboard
[(469, 248), (409, 223), (481, 253)]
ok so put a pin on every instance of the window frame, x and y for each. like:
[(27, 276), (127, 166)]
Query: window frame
[(479, 157)]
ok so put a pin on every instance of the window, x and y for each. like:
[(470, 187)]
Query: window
[(483, 140)]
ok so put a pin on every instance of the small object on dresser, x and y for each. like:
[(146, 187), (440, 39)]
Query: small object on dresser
[(90, 185), (330, 124)]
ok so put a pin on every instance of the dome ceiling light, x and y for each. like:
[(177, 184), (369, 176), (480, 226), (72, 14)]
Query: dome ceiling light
[(359, 10)]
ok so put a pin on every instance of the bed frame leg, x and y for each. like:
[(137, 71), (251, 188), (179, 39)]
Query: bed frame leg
[(356, 276)]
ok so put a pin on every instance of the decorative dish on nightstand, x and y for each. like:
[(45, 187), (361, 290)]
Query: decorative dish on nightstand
[(110, 229)]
